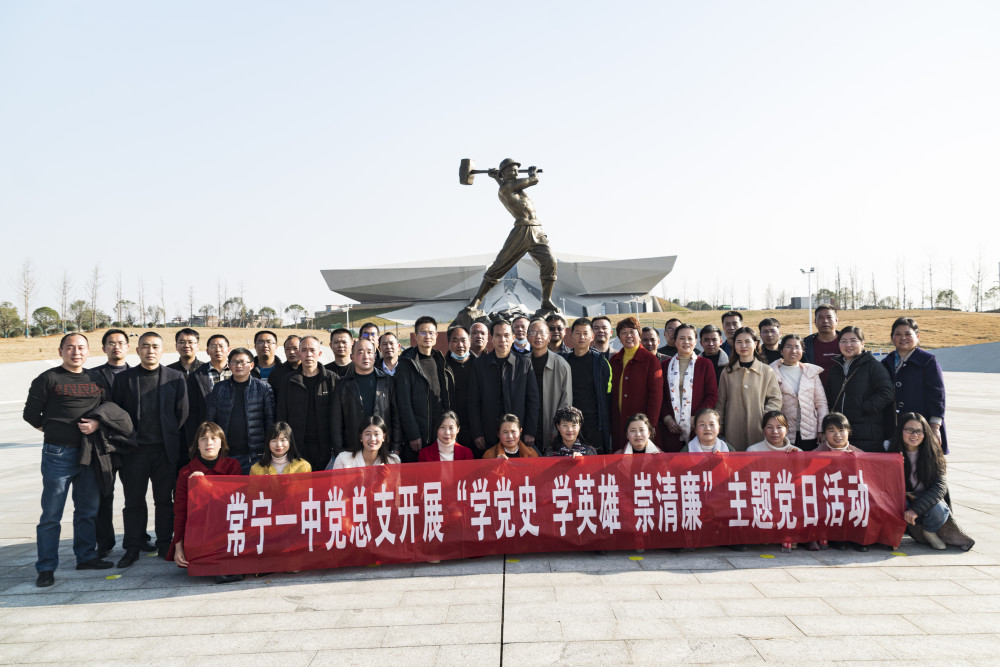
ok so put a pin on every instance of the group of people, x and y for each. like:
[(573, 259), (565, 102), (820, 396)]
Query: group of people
[(511, 388)]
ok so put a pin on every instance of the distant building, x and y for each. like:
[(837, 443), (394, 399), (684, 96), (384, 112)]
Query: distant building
[(586, 286)]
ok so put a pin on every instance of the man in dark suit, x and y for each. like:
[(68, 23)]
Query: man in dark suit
[(156, 399), (115, 344), (502, 383)]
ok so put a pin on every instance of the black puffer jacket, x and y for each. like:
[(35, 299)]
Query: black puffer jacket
[(348, 411), (105, 446), (259, 408), (862, 393)]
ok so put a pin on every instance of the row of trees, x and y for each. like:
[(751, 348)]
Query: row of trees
[(135, 309), (852, 290)]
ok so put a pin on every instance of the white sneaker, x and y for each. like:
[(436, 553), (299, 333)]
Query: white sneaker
[(935, 541)]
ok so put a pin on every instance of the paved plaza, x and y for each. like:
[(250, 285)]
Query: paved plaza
[(659, 607)]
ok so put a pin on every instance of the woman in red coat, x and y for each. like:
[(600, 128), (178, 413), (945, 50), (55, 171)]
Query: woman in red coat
[(208, 457), (689, 386), (445, 448), (636, 381)]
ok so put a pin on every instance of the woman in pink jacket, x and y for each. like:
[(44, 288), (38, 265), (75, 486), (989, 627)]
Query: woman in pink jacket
[(803, 397)]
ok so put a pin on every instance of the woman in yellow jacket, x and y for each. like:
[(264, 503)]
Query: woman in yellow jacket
[(281, 457), (748, 388)]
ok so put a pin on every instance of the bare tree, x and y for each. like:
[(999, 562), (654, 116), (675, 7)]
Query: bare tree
[(930, 278), (25, 285), (142, 302), (978, 275), (221, 294), (163, 302), (119, 298), (64, 286), (92, 289), (951, 280)]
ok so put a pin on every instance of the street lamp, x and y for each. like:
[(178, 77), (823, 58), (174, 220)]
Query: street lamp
[(809, 273)]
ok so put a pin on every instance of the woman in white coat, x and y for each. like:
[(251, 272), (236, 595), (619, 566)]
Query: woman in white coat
[(803, 397)]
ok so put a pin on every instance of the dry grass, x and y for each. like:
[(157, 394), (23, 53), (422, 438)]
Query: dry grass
[(47, 347), (938, 328)]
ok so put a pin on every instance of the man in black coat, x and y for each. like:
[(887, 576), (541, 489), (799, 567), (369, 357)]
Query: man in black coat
[(423, 388), (155, 398), (362, 392), (115, 344), (305, 401), (501, 383)]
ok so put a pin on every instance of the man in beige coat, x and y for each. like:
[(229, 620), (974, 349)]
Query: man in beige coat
[(555, 381)]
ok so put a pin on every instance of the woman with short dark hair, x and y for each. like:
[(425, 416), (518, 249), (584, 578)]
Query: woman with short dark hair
[(917, 379)]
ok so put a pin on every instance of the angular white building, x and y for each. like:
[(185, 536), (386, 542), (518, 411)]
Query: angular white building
[(586, 286)]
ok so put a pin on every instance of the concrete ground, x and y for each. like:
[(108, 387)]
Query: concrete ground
[(709, 606)]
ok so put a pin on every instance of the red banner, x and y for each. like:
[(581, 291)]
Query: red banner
[(438, 511)]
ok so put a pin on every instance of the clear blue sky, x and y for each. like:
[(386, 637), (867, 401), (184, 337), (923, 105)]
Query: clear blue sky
[(259, 142)]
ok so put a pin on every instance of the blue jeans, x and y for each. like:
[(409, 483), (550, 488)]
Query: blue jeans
[(935, 517), (60, 469)]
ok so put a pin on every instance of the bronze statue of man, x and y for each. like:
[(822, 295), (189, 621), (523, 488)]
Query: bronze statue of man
[(527, 236)]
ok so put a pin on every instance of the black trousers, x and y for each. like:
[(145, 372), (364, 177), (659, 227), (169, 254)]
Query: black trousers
[(105, 524), (149, 463), (594, 437)]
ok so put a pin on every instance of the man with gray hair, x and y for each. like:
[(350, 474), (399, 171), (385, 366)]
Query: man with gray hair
[(305, 401)]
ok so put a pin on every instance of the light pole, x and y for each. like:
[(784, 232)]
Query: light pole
[(812, 270)]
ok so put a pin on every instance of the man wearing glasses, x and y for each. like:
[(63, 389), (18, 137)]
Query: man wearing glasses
[(115, 344), (244, 407), (202, 381), (186, 344), (424, 386), (266, 344)]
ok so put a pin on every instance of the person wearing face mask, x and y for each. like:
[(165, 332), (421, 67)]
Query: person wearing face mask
[(458, 361), (520, 328), (859, 387), (689, 386)]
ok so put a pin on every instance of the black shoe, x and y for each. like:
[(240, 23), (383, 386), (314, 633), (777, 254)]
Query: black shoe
[(738, 547), (130, 557), (228, 578), (148, 547), (45, 578), (860, 547), (95, 564), (162, 553), (104, 553)]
